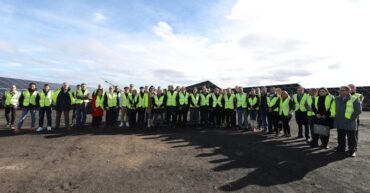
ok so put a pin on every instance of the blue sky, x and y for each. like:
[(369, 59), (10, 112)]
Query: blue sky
[(230, 42)]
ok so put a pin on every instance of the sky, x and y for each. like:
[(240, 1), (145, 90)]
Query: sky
[(182, 42)]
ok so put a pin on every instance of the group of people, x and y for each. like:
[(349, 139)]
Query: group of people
[(316, 112)]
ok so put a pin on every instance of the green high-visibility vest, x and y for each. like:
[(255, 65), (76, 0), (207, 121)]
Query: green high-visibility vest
[(56, 93), (284, 107), (143, 100), (11, 98), (271, 101), (171, 99), (359, 96), (253, 100), (126, 98), (204, 100), (28, 98), (184, 98), (229, 101), (80, 93), (349, 107), (241, 100), (328, 101), (99, 102), (45, 100), (112, 99), (195, 100), (158, 102), (310, 101), (217, 100), (301, 104)]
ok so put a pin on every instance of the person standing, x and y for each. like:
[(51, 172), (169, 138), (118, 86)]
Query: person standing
[(310, 113), (347, 109), (27, 102), (360, 99), (242, 108), (63, 100), (126, 97), (300, 107), (273, 101), (98, 108), (263, 109), (217, 102), (133, 110), (194, 108), (10, 103), (229, 106), (204, 107), (253, 103), (171, 105), (149, 109), (82, 98), (183, 101), (44, 100), (286, 112), (142, 100), (111, 107), (158, 108), (74, 106)]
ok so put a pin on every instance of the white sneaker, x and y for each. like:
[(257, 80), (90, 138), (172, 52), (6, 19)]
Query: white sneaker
[(49, 128), (127, 125), (39, 129), (121, 125)]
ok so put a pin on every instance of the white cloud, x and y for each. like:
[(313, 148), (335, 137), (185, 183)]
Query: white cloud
[(99, 17)]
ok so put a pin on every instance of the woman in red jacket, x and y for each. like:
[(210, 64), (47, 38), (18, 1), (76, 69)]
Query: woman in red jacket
[(98, 107)]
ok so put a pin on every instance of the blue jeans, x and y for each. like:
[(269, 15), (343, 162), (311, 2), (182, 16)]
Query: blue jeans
[(24, 116), (263, 118), (242, 117), (81, 114)]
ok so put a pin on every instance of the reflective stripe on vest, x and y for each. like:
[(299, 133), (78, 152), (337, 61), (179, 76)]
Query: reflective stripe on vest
[(112, 99), (194, 99), (216, 101), (171, 99), (241, 100), (253, 101), (184, 98), (301, 104), (158, 101), (80, 93), (28, 98), (204, 100), (284, 107), (328, 100), (45, 100), (56, 93), (349, 107), (229, 101), (126, 100), (310, 100)]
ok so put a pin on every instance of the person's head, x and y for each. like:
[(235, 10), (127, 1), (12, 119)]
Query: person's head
[(240, 89), (159, 91), (142, 89), (183, 89), (100, 86), (204, 89), (195, 90), (126, 88), (323, 91), (300, 90), (263, 90), (228, 90), (353, 88), (78, 87), (170, 87), (116, 88), (100, 92), (313, 91), (46, 87), (344, 91), (32, 86), (83, 86), (284, 94), (110, 89), (252, 92), (278, 91), (13, 88), (272, 90), (216, 91), (177, 88), (258, 91), (151, 89), (134, 92), (65, 86)]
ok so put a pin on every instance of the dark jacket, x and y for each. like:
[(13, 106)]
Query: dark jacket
[(340, 122), (63, 100), (21, 98)]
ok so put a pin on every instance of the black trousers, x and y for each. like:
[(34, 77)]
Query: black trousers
[(286, 126), (96, 121), (204, 116), (217, 113), (315, 140), (141, 117), (301, 119), (183, 117), (13, 112), (110, 117), (132, 118), (229, 117), (171, 116), (351, 139), (42, 112), (273, 120)]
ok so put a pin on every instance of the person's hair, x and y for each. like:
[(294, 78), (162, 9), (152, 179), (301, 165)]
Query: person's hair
[(46, 85), (83, 84), (347, 88), (32, 83), (324, 88)]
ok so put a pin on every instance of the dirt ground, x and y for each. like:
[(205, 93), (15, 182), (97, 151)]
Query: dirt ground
[(178, 160)]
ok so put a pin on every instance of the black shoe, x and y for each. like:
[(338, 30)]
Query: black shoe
[(337, 150)]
